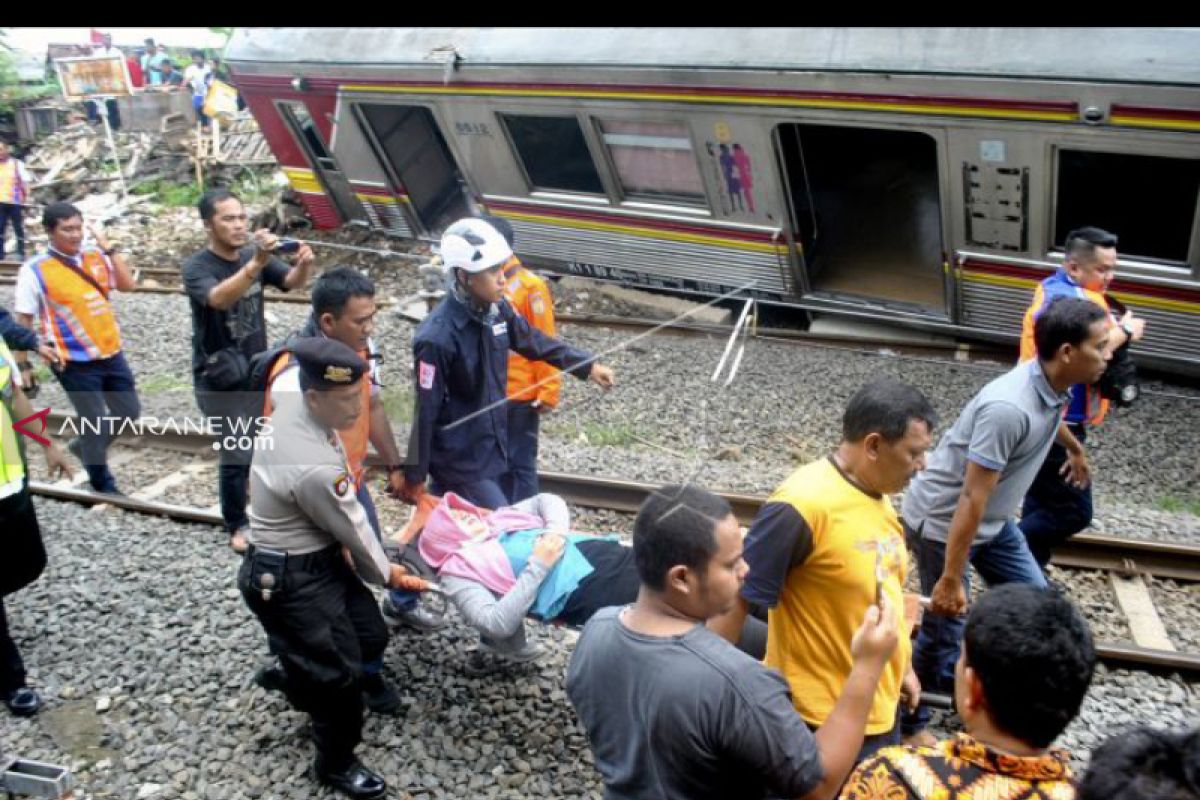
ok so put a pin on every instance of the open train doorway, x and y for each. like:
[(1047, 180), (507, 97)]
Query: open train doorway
[(865, 206), (413, 152)]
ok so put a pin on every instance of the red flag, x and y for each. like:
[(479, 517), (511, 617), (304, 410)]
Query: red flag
[(97, 37)]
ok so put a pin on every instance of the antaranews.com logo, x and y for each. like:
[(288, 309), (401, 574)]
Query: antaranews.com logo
[(244, 434)]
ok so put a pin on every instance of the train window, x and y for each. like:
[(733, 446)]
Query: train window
[(1148, 201), (654, 161), (554, 153)]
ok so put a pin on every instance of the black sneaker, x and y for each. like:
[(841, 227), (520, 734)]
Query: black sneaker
[(355, 781), (380, 696), (24, 702)]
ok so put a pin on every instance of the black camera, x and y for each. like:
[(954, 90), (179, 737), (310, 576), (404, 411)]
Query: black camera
[(1119, 384)]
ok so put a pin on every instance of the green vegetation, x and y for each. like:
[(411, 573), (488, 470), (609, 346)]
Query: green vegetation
[(1176, 505), (162, 382)]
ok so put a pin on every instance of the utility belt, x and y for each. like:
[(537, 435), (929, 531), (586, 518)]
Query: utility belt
[(266, 571)]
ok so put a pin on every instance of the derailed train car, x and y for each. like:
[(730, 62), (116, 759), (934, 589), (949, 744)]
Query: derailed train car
[(925, 177)]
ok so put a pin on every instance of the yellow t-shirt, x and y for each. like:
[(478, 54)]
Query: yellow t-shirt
[(812, 555)]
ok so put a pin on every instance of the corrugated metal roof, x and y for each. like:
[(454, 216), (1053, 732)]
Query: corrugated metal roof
[(1140, 55)]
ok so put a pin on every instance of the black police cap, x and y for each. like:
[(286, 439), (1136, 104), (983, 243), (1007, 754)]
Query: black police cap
[(328, 363)]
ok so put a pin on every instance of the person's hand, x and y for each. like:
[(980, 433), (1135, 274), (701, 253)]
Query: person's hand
[(411, 492), (542, 408), (548, 548), (264, 243), (98, 236), (395, 484), (304, 256), (399, 578), (910, 690), (1135, 324), (876, 638), (948, 597), (601, 376), (57, 463), (48, 353), (1076, 470)]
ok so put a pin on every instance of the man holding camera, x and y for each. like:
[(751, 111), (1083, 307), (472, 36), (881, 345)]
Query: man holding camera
[(225, 285), (1055, 509)]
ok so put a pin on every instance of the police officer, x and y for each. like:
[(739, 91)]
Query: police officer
[(460, 429), (306, 528)]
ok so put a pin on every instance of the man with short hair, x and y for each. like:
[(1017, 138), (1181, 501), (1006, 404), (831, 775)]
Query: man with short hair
[(1055, 509), (311, 548), (198, 76), (1144, 763), (460, 353), (674, 711), (171, 80), (225, 284), (152, 62), (1026, 664), (962, 506), (105, 48), (343, 309), (826, 545), (68, 290), (15, 182)]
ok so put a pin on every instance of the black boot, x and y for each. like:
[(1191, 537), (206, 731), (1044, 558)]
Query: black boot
[(355, 781)]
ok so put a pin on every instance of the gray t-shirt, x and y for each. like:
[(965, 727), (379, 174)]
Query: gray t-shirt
[(1009, 427), (687, 717)]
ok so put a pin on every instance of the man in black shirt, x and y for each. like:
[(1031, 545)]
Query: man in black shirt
[(225, 285)]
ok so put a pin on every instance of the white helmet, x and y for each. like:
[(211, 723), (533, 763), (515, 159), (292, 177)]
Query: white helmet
[(473, 245)]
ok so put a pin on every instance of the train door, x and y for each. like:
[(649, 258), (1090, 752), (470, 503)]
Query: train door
[(866, 210), (325, 167), (418, 161)]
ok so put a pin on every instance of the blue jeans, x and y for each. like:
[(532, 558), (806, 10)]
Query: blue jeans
[(104, 395), (400, 598), (485, 493), (521, 480), (1005, 559), (1054, 510)]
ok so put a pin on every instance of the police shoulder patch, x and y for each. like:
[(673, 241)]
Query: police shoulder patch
[(341, 484)]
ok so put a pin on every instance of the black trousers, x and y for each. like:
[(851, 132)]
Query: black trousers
[(1053, 510), (23, 559), (11, 213), (323, 624), (237, 414)]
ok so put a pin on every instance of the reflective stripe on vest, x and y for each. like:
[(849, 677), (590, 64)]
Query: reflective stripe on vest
[(74, 316)]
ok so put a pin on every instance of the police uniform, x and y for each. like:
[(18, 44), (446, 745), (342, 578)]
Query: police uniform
[(460, 432), (320, 619)]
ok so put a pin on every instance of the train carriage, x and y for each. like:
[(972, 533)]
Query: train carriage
[(924, 177)]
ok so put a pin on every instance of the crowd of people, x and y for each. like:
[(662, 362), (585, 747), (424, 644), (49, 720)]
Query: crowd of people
[(713, 661)]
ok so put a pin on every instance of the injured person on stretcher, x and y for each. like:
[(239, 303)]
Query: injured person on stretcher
[(498, 567)]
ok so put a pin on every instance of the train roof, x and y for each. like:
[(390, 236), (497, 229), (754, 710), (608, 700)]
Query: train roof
[(1117, 55)]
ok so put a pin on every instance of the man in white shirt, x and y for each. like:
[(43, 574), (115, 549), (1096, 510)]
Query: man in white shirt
[(198, 76), (114, 113)]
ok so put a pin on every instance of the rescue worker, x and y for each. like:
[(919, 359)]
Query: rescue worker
[(68, 290), (533, 386), (306, 528), (24, 554), (343, 309), (1055, 509), (460, 353)]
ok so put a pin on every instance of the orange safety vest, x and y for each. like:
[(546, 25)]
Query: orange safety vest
[(357, 437), (77, 318), (530, 297), (1086, 406)]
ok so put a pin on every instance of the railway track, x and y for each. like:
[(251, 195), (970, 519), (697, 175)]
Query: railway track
[(1097, 552)]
